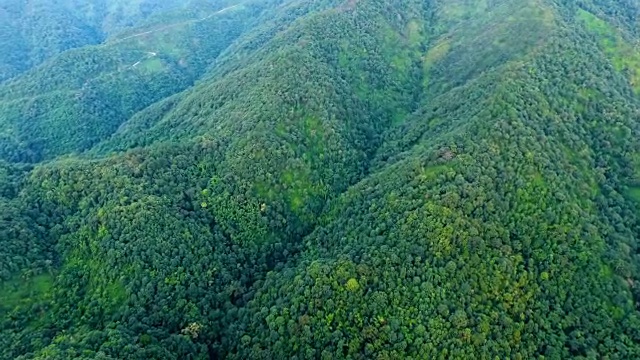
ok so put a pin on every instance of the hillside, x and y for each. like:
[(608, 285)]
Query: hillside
[(37, 30), (325, 179), (82, 96)]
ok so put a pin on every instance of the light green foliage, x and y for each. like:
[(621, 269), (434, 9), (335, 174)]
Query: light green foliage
[(634, 193), (152, 65), (436, 53), (21, 292), (352, 284), (623, 54)]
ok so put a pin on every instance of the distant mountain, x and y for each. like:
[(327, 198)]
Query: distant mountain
[(82, 96), (327, 179), (36, 30)]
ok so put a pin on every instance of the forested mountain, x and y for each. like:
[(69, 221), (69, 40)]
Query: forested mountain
[(82, 96), (32, 31), (291, 179)]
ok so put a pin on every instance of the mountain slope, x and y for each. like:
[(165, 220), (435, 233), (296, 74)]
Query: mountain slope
[(493, 237), (37, 30), (442, 179), (93, 90)]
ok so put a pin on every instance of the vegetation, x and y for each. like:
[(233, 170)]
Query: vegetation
[(327, 179), (36, 31), (46, 110)]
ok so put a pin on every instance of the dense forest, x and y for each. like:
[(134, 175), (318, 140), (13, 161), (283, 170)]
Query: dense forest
[(37, 30), (325, 179)]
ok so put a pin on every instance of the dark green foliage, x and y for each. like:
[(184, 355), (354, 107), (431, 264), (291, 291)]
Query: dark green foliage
[(333, 180)]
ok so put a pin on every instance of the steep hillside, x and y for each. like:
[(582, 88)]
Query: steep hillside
[(497, 226), (81, 97), (326, 179)]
